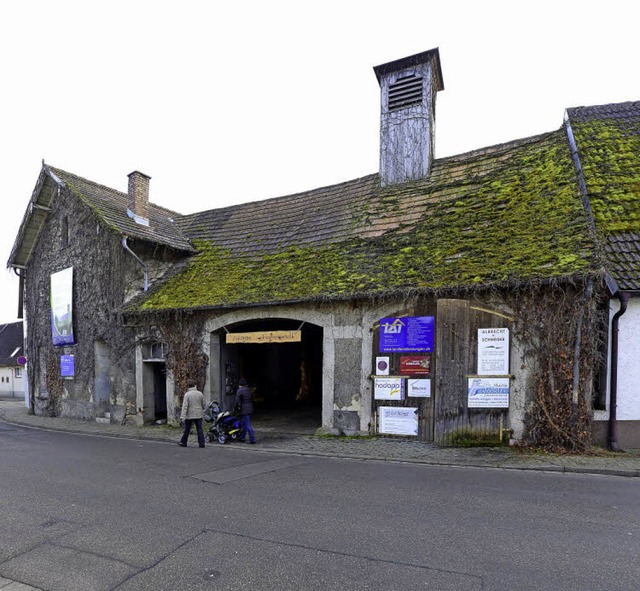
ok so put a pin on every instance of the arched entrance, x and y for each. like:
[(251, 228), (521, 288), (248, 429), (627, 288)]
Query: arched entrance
[(284, 371)]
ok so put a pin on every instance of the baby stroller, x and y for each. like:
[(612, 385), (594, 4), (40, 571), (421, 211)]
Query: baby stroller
[(223, 426)]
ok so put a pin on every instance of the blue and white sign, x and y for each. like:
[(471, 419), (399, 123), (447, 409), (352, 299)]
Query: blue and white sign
[(62, 307), (391, 388), (407, 334), (67, 366), (488, 393), (419, 388), (398, 420)]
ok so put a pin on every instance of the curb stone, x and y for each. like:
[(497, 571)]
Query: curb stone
[(367, 449)]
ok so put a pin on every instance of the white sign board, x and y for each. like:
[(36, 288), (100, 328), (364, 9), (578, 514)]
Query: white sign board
[(493, 351), (419, 388), (388, 388), (488, 393), (382, 366), (398, 420)]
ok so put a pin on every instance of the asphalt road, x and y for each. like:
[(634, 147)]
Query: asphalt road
[(88, 513)]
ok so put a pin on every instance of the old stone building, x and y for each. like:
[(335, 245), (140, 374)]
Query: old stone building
[(443, 299)]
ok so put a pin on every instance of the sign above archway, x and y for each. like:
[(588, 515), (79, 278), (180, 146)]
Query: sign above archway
[(266, 336)]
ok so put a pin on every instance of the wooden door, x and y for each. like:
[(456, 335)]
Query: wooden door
[(456, 358)]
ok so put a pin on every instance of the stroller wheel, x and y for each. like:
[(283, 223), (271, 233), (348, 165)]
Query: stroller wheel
[(222, 438), (208, 438)]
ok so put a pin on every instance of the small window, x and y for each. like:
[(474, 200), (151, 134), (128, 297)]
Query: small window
[(64, 231), (18, 372), (154, 351)]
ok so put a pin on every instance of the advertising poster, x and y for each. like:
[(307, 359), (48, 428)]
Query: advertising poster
[(407, 334), (419, 388), (388, 388), (382, 366), (61, 307), (398, 420), (67, 366), (415, 365), (493, 351), (488, 393)]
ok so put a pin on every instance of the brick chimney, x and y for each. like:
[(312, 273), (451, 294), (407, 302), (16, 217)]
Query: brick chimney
[(408, 88), (139, 197)]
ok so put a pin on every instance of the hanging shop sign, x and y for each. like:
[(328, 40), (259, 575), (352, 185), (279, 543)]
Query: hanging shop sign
[(267, 336), (407, 334), (419, 388), (397, 420), (382, 366), (415, 365), (488, 393), (67, 366), (391, 388), (493, 351), (62, 307)]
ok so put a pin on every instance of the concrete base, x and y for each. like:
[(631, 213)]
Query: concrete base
[(628, 434)]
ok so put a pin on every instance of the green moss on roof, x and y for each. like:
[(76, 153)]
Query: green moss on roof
[(609, 151), (501, 216)]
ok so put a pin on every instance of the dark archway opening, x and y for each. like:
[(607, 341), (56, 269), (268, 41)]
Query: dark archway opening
[(286, 377)]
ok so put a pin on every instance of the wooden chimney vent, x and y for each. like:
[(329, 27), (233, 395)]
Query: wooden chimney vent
[(405, 92)]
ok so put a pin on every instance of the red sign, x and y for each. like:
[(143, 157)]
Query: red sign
[(415, 365), (22, 360)]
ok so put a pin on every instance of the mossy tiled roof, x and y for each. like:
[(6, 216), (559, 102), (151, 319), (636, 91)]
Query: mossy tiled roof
[(608, 144), (111, 207), (504, 215)]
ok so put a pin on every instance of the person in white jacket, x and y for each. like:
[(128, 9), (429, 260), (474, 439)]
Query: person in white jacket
[(192, 410)]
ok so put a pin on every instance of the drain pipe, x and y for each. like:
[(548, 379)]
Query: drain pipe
[(613, 390), (135, 256)]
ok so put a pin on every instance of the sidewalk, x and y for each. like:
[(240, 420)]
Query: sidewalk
[(366, 448)]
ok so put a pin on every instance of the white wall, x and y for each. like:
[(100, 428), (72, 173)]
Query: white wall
[(629, 363), (10, 385)]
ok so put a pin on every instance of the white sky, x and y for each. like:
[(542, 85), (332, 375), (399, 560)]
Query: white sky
[(228, 102)]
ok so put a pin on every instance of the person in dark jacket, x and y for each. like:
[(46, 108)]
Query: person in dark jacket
[(244, 401)]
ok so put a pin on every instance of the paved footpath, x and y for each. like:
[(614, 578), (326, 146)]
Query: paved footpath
[(625, 464)]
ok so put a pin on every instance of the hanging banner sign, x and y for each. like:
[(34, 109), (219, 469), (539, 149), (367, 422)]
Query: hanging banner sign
[(268, 336), (62, 307), (407, 334), (488, 393), (493, 351), (398, 420), (388, 388)]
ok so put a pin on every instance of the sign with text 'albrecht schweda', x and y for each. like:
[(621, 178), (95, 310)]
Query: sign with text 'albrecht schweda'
[(265, 336)]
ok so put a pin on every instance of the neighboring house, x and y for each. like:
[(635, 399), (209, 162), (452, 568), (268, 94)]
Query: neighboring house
[(12, 373), (442, 298)]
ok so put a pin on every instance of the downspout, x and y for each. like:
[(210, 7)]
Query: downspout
[(20, 291), (135, 256), (612, 439)]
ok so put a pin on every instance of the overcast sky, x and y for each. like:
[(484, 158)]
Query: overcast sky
[(227, 102)]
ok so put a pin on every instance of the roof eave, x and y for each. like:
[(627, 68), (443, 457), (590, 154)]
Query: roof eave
[(34, 218)]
